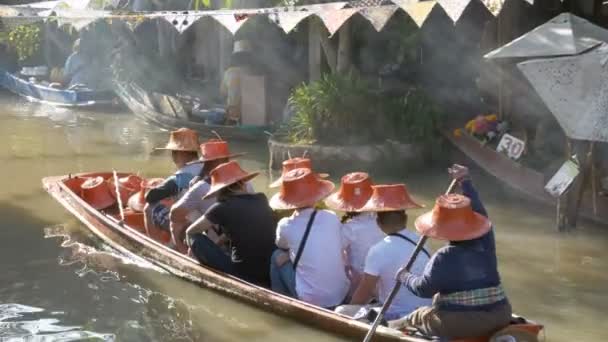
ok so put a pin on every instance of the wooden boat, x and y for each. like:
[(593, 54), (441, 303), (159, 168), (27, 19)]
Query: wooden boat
[(129, 238), (141, 103), (35, 92), (524, 180)]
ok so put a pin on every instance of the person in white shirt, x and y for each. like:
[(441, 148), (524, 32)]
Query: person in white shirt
[(191, 205), (389, 255), (309, 264), (359, 230)]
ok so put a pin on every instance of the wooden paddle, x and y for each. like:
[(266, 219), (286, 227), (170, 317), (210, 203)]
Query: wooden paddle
[(117, 189), (398, 283)]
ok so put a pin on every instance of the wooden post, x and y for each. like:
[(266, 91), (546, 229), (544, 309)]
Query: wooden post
[(314, 51), (330, 50), (561, 201), (583, 151), (345, 49)]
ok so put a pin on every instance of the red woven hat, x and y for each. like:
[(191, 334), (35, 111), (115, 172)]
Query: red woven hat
[(390, 198), (215, 149), (300, 188), (226, 174), (292, 164), (184, 139), (127, 187), (137, 201), (453, 219), (96, 192), (355, 190)]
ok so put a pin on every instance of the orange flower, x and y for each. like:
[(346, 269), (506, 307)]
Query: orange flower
[(458, 132)]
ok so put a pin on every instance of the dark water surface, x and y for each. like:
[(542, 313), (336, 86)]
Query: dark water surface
[(59, 283)]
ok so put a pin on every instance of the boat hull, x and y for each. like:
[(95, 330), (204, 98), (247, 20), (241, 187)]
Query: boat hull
[(56, 97), (523, 180), (131, 242), (131, 95)]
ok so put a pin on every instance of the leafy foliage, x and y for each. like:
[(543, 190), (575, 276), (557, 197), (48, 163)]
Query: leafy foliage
[(200, 4), (25, 40), (346, 109)]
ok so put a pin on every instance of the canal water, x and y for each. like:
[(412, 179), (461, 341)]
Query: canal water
[(57, 282)]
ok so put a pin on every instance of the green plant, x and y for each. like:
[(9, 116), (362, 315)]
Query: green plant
[(331, 110), (200, 4), (345, 109), (25, 40)]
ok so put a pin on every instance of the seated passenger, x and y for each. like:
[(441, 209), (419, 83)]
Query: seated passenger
[(184, 146), (310, 264), (191, 205), (244, 218), (359, 230), (386, 257), (74, 69), (462, 277)]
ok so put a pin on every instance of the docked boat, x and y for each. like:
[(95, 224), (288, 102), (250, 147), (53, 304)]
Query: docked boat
[(38, 92), (127, 235), (172, 113), (520, 178)]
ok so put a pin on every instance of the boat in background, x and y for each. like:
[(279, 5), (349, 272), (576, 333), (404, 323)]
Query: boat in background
[(522, 179), (128, 236), (169, 112), (79, 98)]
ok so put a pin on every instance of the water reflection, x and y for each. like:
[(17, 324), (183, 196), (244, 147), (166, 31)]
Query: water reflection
[(557, 279), (20, 322)]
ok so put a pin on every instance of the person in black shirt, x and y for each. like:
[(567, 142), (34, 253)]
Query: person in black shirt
[(245, 219)]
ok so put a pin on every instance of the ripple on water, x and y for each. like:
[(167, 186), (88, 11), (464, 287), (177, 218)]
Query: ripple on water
[(21, 322)]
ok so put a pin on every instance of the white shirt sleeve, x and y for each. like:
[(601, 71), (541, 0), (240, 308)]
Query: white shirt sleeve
[(346, 234), (281, 240), (373, 262)]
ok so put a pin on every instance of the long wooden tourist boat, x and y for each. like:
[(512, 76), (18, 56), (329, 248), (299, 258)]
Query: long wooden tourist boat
[(139, 102), (130, 238), (35, 92), (524, 180)]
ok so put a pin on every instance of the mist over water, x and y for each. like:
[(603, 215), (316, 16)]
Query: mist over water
[(58, 282)]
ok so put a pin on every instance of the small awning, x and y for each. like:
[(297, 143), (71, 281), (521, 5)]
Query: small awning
[(564, 35)]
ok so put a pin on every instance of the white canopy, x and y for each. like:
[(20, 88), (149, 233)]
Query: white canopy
[(564, 35), (575, 89)]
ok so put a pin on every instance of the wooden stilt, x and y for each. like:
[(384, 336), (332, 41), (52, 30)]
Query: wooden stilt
[(583, 151)]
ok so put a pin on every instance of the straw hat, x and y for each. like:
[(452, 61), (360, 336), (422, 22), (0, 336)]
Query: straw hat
[(242, 46), (300, 188), (390, 198), (355, 191), (227, 174), (292, 164), (96, 192), (184, 139), (137, 201), (127, 186), (215, 149), (453, 219)]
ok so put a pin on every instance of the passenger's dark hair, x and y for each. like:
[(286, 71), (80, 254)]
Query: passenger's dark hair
[(208, 166), (348, 216), (230, 190), (392, 219)]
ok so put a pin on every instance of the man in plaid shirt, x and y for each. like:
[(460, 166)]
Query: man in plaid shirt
[(462, 277)]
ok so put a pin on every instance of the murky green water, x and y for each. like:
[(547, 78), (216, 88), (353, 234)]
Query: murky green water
[(58, 282)]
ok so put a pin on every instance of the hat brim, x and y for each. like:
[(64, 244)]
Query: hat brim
[(461, 230), (336, 202), (382, 207), (277, 183), (278, 203), (170, 148), (214, 189), (230, 156)]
